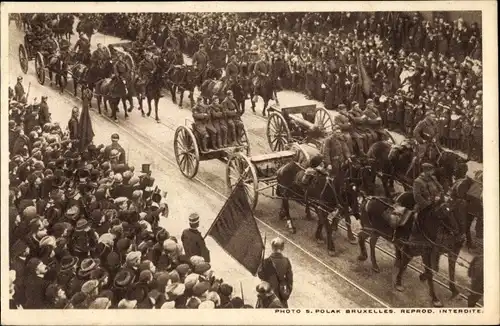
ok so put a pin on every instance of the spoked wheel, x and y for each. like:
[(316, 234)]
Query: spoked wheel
[(40, 68), (239, 167), (244, 141), (186, 152), (278, 133), (23, 58), (323, 120)]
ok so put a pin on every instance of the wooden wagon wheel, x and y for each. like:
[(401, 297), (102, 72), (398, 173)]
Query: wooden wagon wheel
[(23, 58), (389, 137), (40, 68), (278, 133), (186, 151), (323, 120), (244, 141), (239, 167)]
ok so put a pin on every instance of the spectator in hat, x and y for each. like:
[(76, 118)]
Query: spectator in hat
[(83, 240), (44, 115), (56, 297), (73, 124), (20, 95), (67, 274), (19, 253), (192, 240), (277, 271), (266, 297)]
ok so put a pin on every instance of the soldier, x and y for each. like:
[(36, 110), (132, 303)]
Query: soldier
[(50, 45), (232, 70), (426, 189), (147, 67), (409, 112), (83, 46), (234, 122), (260, 70), (171, 42), (374, 120), (219, 121), (120, 69), (98, 56), (214, 135), (343, 122), (19, 91), (425, 132), (334, 153), (115, 145), (201, 116), (44, 111), (200, 60), (358, 132), (73, 124)]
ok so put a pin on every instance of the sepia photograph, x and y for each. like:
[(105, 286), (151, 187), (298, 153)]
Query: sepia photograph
[(322, 162)]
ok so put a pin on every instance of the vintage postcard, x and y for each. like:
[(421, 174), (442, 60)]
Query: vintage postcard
[(311, 162)]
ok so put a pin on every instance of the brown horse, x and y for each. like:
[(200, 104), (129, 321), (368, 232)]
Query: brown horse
[(112, 90), (434, 232)]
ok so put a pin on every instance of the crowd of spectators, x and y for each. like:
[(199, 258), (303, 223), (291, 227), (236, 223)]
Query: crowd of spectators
[(85, 227), (414, 64)]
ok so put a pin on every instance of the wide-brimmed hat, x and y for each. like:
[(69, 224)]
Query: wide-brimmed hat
[(123, 278), (82, 224), (87, 266)]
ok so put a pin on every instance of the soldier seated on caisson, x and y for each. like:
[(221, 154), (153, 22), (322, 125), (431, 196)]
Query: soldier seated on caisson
[(231, 110), (201, 117)]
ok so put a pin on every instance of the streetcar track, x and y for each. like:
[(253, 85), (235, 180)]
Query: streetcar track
[(139, 137)]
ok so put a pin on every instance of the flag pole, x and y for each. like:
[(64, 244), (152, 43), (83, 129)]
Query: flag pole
[(264, 250), (225, 204), (242, 295)]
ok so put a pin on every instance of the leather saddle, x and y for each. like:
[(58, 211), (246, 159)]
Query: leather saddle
[(398, 216)]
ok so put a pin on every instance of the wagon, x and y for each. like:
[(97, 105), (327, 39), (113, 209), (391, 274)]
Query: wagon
[(285, 126), (188, 153), (259, 172)]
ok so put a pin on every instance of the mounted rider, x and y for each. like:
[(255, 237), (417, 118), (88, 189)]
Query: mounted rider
[(147, 67), (83, 46), (232, 70), (120, 70), (200, 61), (201, 118), (358, 133), (171, 42), (98, 56), (261, 70), (374, 120), (343, 122), (426, 189), (426, 132), (231, 109), (335, 152)]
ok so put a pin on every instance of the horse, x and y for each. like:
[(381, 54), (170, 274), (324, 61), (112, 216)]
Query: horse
[(436, 230), (66, 22), (151, 89), (326, 195), (476, 274), (90, 75), (112, 90), (87, 26), (395, 163), (181, 78), (266, 90)]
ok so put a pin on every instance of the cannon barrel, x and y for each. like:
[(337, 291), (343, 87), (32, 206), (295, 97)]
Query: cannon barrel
[(303, 122)]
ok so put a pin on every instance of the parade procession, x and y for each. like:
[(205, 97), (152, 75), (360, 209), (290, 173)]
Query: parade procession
[(245, 160)]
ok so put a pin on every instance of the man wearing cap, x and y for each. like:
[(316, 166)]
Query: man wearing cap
[(44, 115), (73, 124), (219, 121), (334, 153), (374, 120), (425, 132), (147, 67), (231, 110), (115, 145), (345, 126), (266, 298), (83, 46), (201, 117), (277, 271), (35, 284), (232, 70), (426, 189), (19, 91), (260, 70), (192, 240)]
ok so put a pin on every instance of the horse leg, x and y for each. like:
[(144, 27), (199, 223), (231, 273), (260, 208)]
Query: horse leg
[(130, 98), (429, 261), (402, 261), (350, 235), (373, 243), (328, 227), (140, 101), (125, 111), (157, 101), (181, 97), (148, 99), (266, 102), (362, 236), (285, 212), (172, 92), (452, 261), (468, 234), (99, 99)]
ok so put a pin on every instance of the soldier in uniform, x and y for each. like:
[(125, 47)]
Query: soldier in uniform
[(200, 61), (19, 91), (98, 56), (335, 153), (426, 189), (201, 116), (477, 133), (115, 145), (219, 121), (343, 122), (374, 120), (232, 70), (214, 135), (83, 46), (120, 69), (425, 132), (233, 115), (356, 116), (171, 42), (147, 67), (260, 70), (44, 111)]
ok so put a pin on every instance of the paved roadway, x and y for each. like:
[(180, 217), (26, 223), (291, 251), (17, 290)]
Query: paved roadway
[(317, 280)]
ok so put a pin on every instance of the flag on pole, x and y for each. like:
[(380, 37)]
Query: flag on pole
[(235, 230), (364, 80), (85, 130)]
